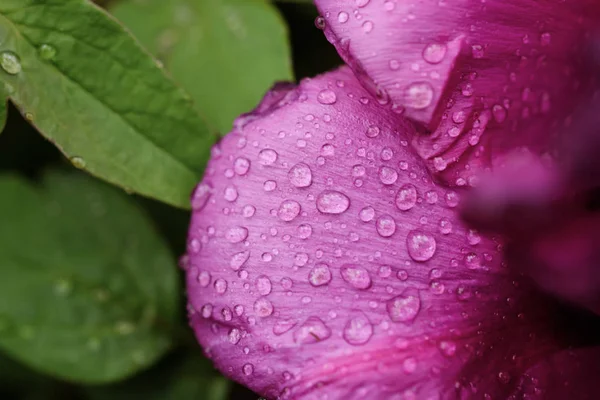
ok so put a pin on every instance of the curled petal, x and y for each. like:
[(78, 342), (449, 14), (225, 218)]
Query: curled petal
[(323, 261), (482, 77)]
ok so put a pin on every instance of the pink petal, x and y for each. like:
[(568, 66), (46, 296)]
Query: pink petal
[(324, 263), (485, 77)]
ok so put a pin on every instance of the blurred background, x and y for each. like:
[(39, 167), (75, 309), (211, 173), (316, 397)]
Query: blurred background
[(180, 371)]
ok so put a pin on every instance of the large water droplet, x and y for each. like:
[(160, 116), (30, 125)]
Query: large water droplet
[(263, 307), (201, 195), (357, 277), (320, 275), (10, 62), (300, 175), (421, 246), (288, 210), (239, 259), (220, 285), (263, 285), (386, 226), (358, 330), (406, 198), (387, 175), (236, 234), (418, 95), (404, 308), (332, 202), (267, 156), (434, 53), (313, 330), (327, 96)]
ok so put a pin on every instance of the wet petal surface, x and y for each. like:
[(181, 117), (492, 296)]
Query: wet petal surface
[(311, 275)]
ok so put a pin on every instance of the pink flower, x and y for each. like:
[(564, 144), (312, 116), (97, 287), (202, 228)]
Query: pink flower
[(327, 257)]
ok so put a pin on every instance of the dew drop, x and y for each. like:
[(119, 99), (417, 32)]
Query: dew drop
[(367, 214), (343, 17), (234, 336), (288, 210), (357, 277), (327, 96), (373, 131), (300, 175), (332, 202), (358, 331), (368, 26), (78, 162), (313, 330), (404, 308), (47, 52), (418, 95), (10, 62), (320, 275), (434, 53), (267, 157), (201, 195), (361, 3), (263, 285), (248, 369), (387, 175), (263, 307), (203, 278), (304, 231), (220, 286), (238, 260), (447, 348), (283, 326), (421, 246), (230, 194), (241, 166), (236, 234), (406, 198), (445, 226), (499, 113), (386, 226)]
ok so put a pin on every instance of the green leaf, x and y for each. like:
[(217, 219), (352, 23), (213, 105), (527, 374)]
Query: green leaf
[(89, 290), (188, 377), (89, 87), (225, 53)]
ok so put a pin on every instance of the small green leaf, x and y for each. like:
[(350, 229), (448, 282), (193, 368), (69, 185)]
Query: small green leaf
[(225, 53), (86, 84), (89, 290)]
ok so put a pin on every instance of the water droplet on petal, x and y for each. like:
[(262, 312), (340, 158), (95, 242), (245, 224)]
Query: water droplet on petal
[(368, 26), (361, 3), (406, 198), (248, 369), (447, 348), (332, 202), (373, 131), (343, 17), (320, 275), (421, 246), (313, 330), (300, 175), (241, 166), (10, 62), (201, 195), (283, 326), (238, 260), (263, 307), (445, 226), (304, 231), (263, 285), (434, 53), (236, 234), (230, 194), (387, 175), (386, 226), (357, 277), (327, 96), (288, 210), (221, 286), (267, 156), (358, 330), (418, 95), (367, 214), (404, 308), (499, 113), (234, 336)]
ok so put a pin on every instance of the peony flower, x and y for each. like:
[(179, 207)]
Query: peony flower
[(327, 254)]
